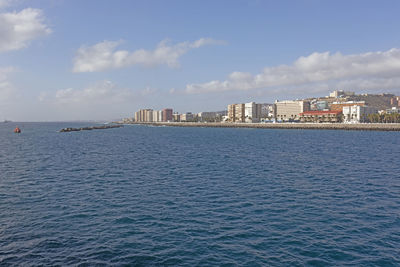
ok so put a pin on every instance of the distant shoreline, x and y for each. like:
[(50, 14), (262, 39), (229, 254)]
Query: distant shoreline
[(302, 126)]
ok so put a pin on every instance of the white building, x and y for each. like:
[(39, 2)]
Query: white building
[(155, 116), (357, 114), (252, 112)]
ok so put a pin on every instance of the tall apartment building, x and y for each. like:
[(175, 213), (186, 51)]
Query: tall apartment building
[(252, 112), (144, 115), (290, 109), (167, 114), (155, 116), (231, 113), (236, 113)]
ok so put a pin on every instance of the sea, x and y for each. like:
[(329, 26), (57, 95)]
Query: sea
[(180, 196)]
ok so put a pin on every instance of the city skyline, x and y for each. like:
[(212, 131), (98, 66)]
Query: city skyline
[(66, 60)]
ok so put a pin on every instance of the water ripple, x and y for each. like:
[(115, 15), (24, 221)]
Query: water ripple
[(150, 196)]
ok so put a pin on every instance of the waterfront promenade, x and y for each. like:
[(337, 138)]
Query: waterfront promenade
[(311, 126)]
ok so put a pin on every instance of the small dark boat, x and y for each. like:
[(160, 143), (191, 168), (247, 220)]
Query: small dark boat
[(17, 130)]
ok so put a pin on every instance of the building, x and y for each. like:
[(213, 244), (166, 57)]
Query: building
[(236, 113), (340, 93), (267, 111), (148, 115), (144, 115), (290, 110), (339, 105), (155, 116), (207, 116), (319, 105), (231, 113), (176, 117), (252, 112), (357, 113), (167, 114), (321, 116), (188, 116)]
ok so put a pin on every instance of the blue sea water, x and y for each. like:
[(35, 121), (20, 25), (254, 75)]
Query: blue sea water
[(163, 196)]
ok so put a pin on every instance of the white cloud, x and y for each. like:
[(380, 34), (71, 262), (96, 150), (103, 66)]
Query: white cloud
[(101, 100), (364, 71), (102, 56), (100, 93), (17, 29)]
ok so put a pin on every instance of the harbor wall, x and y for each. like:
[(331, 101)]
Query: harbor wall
[(311, 126)]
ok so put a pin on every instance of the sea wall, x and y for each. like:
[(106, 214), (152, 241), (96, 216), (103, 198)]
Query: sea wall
[(311, 126)]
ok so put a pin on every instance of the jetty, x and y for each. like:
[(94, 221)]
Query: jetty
[(65, 130), (299, 126)]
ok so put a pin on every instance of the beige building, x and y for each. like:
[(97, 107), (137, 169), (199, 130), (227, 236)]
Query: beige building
[(289, 110), (236, 113), (144, 115)]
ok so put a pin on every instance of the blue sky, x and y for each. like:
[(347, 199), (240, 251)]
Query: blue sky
[(94, 59)]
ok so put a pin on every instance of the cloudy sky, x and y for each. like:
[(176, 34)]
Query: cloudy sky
[(101, 59)]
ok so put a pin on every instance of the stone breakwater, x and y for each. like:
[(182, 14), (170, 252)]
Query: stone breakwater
[(64, 130), (310, 126)]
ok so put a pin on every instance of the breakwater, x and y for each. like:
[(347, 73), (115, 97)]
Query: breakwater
[(64, 130), (310, 126)]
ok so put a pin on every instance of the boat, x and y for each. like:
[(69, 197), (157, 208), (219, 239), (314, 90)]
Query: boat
[(7, 121), (17, 130)]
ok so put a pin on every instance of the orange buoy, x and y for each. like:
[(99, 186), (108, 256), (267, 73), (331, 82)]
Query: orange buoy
[(17, 130)]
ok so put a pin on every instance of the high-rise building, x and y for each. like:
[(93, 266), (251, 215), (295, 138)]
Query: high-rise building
[(252, 112), (154, 116), (167, 114), (236, 113), (144, 115)]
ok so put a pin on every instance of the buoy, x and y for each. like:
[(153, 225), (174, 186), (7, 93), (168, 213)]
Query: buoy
[(17, 130)]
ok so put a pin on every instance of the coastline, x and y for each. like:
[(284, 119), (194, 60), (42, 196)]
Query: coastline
[(298, 126)]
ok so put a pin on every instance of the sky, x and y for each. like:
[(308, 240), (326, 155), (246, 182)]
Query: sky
[(65, 60)]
